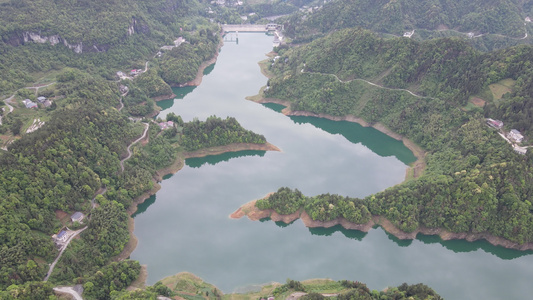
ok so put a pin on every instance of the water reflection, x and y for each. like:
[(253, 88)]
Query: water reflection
[(168, 176), (349, 233), (397, 241), (142, 207), (378, 142), (209, 68), (274, 106), (462, 246), (197, 162), (180, 93), (283, 224)]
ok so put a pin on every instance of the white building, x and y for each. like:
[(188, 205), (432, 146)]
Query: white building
[(515, 135), (77, 217)]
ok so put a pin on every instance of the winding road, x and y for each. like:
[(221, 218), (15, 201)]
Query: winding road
[(69, 290), (146, 126), (371, 83), (38, 87), (52, 266), (6, 101)]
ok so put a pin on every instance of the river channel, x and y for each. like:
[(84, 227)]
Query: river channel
[(185, 226)]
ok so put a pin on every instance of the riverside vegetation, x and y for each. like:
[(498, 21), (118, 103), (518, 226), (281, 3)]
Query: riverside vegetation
[(473, 181)]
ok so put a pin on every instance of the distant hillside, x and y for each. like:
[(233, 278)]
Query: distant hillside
[(94, 25), (98, 36), (504, 17)]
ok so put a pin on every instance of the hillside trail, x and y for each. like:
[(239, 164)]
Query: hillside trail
[(146, 126)]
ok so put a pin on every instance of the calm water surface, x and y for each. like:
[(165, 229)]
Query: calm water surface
[(185, 226)]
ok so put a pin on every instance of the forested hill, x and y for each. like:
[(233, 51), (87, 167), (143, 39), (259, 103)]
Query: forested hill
[(98, 25), (101, 37), (448, 69), (473, 181), (504, 17)]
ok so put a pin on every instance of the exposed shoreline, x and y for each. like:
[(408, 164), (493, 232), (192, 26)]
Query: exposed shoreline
[(163, 97), (253, 213), (200, 74)]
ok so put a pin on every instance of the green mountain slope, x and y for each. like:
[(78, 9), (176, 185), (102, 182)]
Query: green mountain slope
[(505, 17)]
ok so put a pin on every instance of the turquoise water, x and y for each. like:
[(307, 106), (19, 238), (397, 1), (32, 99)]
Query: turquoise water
[(185, 226)]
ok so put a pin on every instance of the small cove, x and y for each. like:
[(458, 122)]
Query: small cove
[(185, 226)]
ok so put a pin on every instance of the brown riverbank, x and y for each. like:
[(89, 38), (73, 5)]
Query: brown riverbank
[(255, 214), (200, 74), (164, 97)]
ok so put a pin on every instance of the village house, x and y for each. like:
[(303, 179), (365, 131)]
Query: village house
[(123, 89), (29, 104), (520, 150), (77, 217), (408, 34), (47, 103), (166, 125), (495, 123), (515, 135), (41, 99), (61, 236)]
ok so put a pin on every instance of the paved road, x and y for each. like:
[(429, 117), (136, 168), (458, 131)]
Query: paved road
[(68, 290), (371, 83), (146, 126), (6, 101), (52, 266), (38, 87)]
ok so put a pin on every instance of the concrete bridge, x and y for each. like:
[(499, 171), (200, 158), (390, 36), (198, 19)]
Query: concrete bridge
[(244, 28)]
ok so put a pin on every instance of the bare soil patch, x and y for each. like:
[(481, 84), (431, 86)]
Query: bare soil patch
[(478, 102)]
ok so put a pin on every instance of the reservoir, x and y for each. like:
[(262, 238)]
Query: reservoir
[(185, 226)]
